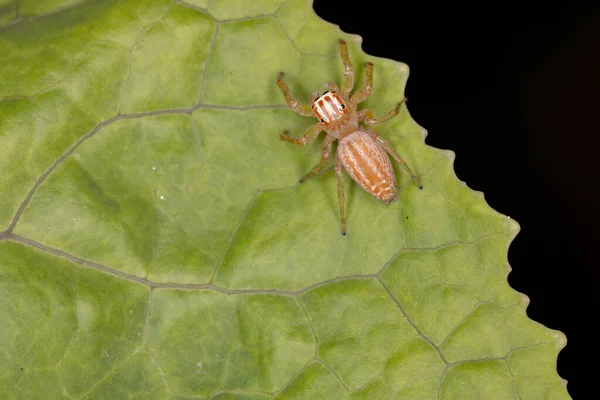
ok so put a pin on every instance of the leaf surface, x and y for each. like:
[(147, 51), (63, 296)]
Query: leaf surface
[(156, 243)]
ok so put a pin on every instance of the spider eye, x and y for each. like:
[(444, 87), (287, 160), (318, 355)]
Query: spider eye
[(322, 120), (343, 106)]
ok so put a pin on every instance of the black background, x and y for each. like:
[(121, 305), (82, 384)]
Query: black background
[(523, 85)]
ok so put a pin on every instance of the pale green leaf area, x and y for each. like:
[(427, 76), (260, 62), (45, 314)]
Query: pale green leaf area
[(155, 242)]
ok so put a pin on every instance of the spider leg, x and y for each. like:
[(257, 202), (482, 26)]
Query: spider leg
[(340, 187), (348, 81), (332, 87), (365, 92), (308, 136), (324, 158), (369, 119), (300, 108), (388, 147)]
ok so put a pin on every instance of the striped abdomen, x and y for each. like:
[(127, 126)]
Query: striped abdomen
[(368, 164)]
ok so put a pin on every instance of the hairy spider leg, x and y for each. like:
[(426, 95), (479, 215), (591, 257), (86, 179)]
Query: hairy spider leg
[(348, 79), (325, 155), (308, 136), (365, 92), (340, 189), (368, 118), (300, 108), (388, 147)]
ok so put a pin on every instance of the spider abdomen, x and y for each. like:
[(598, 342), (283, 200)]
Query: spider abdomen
[(368, 164)]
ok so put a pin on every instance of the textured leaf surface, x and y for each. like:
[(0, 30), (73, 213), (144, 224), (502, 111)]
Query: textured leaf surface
[(156, 243)]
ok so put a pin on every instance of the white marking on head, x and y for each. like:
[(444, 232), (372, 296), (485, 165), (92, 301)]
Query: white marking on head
[(329, 107)]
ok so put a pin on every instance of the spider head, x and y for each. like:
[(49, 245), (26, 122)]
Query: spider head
[(329, 107)]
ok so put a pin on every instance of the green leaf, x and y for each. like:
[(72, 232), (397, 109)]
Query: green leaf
[(156, 243)]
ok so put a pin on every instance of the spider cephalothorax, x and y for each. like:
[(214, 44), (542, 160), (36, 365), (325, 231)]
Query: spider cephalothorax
[(361, 151), (329, 107)]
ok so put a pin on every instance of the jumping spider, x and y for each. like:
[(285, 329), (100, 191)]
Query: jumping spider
[(361, 152)]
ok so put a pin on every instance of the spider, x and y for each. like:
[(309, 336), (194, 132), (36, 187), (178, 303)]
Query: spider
[(361, 151)]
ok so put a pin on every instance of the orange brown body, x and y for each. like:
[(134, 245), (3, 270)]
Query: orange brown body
[(362, 153), (368, 165)]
